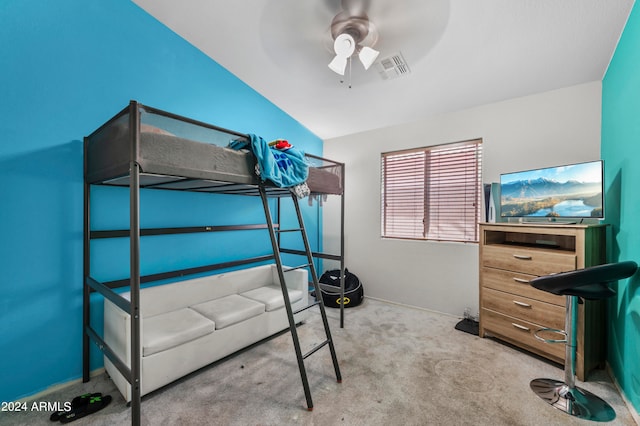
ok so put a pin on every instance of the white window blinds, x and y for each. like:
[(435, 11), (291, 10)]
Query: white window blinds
[(432, 193)]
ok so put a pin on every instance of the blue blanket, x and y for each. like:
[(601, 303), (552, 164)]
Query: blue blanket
[(285, 168)]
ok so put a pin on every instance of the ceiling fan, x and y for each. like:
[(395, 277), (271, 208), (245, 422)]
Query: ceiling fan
[(302, 37), (353, 34)]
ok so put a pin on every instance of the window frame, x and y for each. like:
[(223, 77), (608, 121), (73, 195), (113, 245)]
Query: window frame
[(419, 186)]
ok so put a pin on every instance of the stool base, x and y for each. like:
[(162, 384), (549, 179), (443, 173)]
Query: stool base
[(575, 401)]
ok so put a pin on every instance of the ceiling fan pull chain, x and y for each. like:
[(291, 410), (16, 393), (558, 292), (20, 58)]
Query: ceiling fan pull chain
[(349, 72)]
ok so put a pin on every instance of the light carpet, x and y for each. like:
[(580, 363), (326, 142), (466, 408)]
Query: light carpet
[(400, 366)]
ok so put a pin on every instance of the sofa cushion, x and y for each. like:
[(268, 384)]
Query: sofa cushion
[(229, 310), (165, 331), (271, 296)]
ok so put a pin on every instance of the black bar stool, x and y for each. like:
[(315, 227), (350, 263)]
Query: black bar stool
[(592, 284)]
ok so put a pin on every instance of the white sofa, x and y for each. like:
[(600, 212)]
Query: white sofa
[(189, 324)]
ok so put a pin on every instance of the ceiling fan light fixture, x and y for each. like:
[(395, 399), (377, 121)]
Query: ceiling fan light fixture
[(338, 64), (367, 56), (344, 45), (352, 35)]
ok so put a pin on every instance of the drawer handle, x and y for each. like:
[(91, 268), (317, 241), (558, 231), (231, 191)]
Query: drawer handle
[(521, 327), (520, 280), (522, 257), (524, 305)]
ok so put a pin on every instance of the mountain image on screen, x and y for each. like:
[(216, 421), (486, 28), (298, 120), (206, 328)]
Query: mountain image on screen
[(548, 197)]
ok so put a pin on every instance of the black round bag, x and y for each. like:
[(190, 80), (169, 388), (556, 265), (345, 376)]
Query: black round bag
[(330, 289)]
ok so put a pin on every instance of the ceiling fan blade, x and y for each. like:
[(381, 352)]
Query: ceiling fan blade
[(357, 8)]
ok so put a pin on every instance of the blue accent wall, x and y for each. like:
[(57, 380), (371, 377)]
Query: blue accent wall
[(621, 153), (66, 67)]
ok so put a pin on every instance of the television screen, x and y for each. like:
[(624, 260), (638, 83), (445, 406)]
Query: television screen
[(568, 191)]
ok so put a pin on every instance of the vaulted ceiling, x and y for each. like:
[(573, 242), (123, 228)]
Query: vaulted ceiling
[(460, 53)]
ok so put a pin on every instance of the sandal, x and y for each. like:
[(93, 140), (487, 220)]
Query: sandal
[(96, 403), (75, 403)]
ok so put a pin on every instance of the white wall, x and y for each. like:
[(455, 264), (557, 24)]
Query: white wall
[(557, 127)]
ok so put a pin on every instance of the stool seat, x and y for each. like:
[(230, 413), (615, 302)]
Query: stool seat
[(591, 284)]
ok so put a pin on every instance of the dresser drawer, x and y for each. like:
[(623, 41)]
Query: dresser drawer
[(533, 261), (545, 314), (516, 283), (520, 333)]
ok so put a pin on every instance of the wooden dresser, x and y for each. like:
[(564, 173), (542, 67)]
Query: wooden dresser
[(511, 310)]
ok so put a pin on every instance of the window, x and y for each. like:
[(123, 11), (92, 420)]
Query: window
[(433, 193)]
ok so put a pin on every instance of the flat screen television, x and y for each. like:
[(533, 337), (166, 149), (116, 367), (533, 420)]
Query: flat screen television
[(573, 191)]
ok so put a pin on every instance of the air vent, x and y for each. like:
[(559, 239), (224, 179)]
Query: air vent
[(393, 66)]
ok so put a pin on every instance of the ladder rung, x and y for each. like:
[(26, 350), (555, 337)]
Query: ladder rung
[(306, 265), (288, 230), (307, 307), (314, 350)]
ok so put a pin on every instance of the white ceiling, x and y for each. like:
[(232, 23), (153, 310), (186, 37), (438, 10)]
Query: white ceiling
[(461, 53)]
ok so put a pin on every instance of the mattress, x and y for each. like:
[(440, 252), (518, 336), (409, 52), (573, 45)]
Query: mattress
[(168, 161)]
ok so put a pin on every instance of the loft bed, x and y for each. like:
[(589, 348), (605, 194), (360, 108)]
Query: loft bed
[(147, 148), (178, 153)]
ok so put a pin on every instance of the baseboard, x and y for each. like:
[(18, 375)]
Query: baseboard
[(632, 410), (41, 395), (411, 306)]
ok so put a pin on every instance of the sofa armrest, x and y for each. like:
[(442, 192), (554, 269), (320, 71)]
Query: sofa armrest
[(296, 279), (117, 331)]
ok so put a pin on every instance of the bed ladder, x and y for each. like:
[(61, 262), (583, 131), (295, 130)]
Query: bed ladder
[(287, 303)]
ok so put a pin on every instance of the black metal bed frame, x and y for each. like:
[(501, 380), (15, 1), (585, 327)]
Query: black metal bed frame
[(135, 232)]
